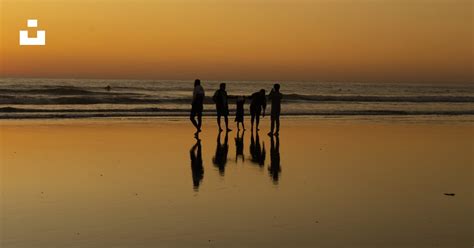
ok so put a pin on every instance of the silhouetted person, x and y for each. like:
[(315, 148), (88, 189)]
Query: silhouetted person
[(108, 88), (220, 158), (275, 168), (257, 151), (258, 105), (222, 106), (196, 164), (275, 97), (197, 105), (239, 112), (239, 145)]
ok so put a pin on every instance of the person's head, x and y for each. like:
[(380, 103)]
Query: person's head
[(276, 87), (262, 92), (197, 82), (222, 86)]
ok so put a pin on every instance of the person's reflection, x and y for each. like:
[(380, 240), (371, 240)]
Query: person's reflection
[(220, 158), (256, 151), (239, 146), (275, 168), (196, 164)]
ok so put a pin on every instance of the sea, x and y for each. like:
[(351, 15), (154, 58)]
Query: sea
[(86, 98)]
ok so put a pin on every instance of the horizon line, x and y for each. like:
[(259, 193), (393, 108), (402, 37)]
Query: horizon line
[(238, 80)]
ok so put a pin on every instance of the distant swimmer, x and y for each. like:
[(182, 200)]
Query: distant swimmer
[(108, 88)]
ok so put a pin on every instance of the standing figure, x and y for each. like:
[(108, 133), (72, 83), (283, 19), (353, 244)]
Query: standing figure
[(239, 113), (197, 105), (258, 105), (222, 106), (275, 96)]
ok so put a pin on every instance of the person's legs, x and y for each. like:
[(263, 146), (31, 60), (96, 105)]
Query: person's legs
[(277, 124), (257, 119), (272, 124), (226, 119), (219, 121), (199, 123), (193, 121), (252, 119)]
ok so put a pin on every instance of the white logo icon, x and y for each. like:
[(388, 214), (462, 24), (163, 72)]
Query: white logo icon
[(40, 39)]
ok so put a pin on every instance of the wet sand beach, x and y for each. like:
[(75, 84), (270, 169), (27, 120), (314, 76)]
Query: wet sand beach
[(99, 183)]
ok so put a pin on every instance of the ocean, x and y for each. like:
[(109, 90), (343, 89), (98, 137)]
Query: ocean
[(81, 98)]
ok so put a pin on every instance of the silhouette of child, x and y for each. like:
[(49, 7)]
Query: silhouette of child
[(239, 113)]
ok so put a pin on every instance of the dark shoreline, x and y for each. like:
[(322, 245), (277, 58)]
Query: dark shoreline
[(52, 114)]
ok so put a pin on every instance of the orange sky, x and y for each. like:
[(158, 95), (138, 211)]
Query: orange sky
[(335, 40)]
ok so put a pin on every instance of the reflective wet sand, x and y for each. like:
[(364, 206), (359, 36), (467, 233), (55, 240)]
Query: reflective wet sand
[(149, 183)]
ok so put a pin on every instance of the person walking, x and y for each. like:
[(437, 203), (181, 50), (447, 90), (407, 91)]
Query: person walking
[(197, 105)]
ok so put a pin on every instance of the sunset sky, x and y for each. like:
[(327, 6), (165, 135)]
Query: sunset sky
[(330, 40)]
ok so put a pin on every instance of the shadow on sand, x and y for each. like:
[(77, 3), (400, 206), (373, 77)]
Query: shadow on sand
[(196, 164)]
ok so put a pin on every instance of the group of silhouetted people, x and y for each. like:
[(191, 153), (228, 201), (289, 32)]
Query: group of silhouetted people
[(258, 104)]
